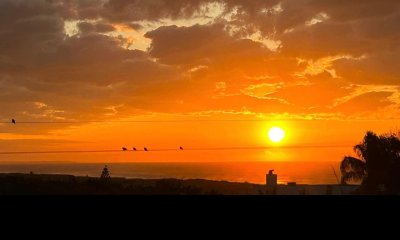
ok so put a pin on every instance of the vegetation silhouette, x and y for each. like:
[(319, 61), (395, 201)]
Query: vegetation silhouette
[(50, 184), (105, 174), (56, 184), (377, 165)]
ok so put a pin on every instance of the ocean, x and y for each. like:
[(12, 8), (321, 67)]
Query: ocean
[(252, 172)]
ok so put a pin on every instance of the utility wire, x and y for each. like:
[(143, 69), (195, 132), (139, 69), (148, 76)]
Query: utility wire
[(167, 150), (138, 121), (155, 121)]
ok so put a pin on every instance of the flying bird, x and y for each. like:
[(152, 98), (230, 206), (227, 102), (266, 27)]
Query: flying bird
[(13, 121), (181, 148), (145, 149), (124, 149), (134, 149)]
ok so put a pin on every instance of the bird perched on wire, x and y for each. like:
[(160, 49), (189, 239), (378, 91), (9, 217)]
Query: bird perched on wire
[(181, 148), (124, 149), (13, 121), (134, 149), (145, 149)]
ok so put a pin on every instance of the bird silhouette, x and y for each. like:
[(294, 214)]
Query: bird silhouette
[(181, 148), (124, 149), (145, 149), (134, 149), (13, 121)]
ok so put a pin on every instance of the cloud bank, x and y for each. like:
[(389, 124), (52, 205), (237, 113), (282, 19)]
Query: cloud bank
[(99, 59)]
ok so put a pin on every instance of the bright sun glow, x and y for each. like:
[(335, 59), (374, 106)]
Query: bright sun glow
[(276, 134)]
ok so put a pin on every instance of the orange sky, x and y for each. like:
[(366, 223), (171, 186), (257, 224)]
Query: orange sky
[(324, 72)]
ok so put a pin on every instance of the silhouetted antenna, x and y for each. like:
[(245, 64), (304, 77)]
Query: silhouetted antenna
[(336, 176)]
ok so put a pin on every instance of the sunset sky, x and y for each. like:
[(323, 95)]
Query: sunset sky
[(324, 71)]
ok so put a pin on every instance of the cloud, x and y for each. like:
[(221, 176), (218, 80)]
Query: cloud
[(189, 45), (290, 56), (86, 27), (203, 45), (367, 102), (353, 27), (311, 96), (379, 68), (153, 10)]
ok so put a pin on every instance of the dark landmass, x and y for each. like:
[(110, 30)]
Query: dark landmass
[(53, 184)]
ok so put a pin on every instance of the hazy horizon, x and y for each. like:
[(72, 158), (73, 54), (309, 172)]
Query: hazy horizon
[(252, 172), (196, 80)]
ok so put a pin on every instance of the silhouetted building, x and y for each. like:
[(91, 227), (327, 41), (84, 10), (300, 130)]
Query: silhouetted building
[(271, 182), (271, 179)]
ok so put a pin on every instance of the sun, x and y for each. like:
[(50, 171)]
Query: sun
[(276, 134)]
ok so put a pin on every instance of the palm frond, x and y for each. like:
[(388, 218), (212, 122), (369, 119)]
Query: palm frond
[(352, 176), (353, 169), (361, 150)]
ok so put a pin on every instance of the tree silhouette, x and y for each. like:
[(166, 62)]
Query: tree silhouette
[(105, 174), (377, 165)]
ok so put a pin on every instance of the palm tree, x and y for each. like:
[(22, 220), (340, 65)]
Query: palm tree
[(378, 163)]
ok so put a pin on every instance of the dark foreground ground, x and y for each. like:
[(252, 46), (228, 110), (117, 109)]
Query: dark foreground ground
[(51, 184)]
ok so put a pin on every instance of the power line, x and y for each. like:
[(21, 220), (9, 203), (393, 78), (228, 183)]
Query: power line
[(61, 151), (167, 150), (139, 121), (163, 121)]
